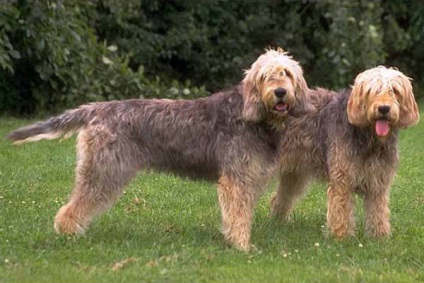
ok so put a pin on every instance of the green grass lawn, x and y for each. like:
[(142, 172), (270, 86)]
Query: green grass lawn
[(166, 229)]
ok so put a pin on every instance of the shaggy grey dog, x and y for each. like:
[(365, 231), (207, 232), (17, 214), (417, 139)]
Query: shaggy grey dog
[(230, 137), (351, 141)]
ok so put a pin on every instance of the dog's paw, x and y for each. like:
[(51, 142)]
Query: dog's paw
[(66, 223)]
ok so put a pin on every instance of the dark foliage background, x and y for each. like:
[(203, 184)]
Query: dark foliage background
[(57, 54)]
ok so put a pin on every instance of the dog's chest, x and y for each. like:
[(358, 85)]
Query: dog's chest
[(300, 154), (369, 169)]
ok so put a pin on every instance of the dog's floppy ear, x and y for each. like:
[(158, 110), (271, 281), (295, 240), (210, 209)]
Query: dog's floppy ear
[(253, 107), (303, 103), (356, 108), (409, 114)]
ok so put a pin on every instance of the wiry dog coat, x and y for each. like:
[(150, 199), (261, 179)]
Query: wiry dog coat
[(351, 141), (230, 137)]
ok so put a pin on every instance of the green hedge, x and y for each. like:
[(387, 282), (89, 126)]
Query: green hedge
[(52, 58), (211, 42), (56, 54)]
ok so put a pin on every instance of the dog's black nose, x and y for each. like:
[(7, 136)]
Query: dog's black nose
[(280, 92), (384, 109)]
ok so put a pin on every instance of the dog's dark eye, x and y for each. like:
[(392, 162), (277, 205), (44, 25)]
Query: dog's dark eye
[(396, 93), (289, 75)]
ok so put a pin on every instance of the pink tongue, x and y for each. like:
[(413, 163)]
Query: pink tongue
[(280, 106), (382, 128)]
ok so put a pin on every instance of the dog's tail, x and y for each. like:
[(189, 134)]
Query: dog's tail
[(64, 125)]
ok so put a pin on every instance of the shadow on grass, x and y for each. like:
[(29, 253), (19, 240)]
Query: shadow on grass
[(127, 236)]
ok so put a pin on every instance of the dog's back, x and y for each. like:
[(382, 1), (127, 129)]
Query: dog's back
[(186, 137)]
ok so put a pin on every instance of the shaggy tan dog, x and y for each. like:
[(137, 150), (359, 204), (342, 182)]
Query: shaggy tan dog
[(230, 137), (352, 143)]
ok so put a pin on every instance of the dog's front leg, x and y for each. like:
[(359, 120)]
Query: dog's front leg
[(340, 210), (376, 203), (237, 202)]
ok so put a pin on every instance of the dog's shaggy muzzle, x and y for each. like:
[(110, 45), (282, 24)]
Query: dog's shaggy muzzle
[(281, 104)]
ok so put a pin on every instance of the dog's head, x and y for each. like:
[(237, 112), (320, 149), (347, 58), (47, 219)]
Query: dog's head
[(273, 88), (382, 98)]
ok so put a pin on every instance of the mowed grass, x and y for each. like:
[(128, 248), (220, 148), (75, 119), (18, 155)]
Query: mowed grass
[(166, 229)]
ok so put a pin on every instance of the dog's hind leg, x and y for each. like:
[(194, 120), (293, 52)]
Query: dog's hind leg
[(237, 202), (291, 187), (105, 165)]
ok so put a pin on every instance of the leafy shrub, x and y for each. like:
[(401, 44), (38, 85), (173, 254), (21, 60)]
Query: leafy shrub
[(211, 42), (51, 58), (56, 54)]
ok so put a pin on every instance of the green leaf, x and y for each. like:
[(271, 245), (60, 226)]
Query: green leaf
[(15, 54)]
